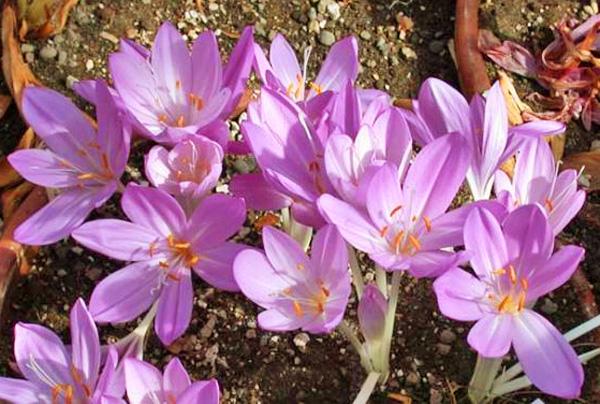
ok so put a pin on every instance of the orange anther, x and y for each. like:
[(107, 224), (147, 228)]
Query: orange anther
[(298, 309), (180, 121), (178, 84), (325, 291), (427, 222), (395, 210), (524, 284), (549, 205), (86, 176), (300, 266), (504, 303), (398, 238), (162, 118), (512, 274), (163, 264), (384, 231), (414, 242)]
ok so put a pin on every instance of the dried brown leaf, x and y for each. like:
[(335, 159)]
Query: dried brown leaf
[(5, 101), (17, 74), (8, 175), (44, 18), (590, 161)]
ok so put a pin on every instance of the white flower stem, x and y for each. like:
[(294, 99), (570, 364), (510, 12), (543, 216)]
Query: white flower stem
[(299, 232), (486, 370), (357, 277), (345, 329), (389, 324), (381, 279), (367, 388)]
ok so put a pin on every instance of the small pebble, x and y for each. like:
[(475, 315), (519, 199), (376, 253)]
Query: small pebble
[(327, 38), (62, 57), (27, 48), (251, 334), (366, 35), (549, 307), (29, 57), (61, 273), (595, 145), (436, 46), (213, 7), (333, 9), (447, 336), (48, 52), (443, 349), (413, 378), (408, 53), (89, 65), (301, 341)]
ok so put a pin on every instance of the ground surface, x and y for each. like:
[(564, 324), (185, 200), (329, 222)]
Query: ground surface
[(431, 359)]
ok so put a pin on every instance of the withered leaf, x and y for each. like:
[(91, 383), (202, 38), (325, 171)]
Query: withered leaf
[(591, 163)]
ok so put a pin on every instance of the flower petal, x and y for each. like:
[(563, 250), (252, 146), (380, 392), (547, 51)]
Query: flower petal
[(216, 218), (273, 320), (485, 242), (491, 335), (340, 65), (257, 278), (257, 192), (443, 108), (329, 254), (43, 167), (285, 64), (171, 62), (459, 295), (384, 196), (85, 343), (174, 308), (143, 382), (26, 391), (216, 266), (284, 253), (207, 70), (175, 379), (547, 358), (117, 239), (555, 272), (238, 69), (125, 294), (205, 392)]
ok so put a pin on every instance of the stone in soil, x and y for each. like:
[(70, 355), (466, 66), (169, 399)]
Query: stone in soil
[(48, 52), (327, 38), (301, 341)]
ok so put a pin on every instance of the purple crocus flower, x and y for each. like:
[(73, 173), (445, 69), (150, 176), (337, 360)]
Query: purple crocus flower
[(536, 180), (440, 109), (514, 266), (188, 172), (165, 246), (282, 71), (55, 372), (84, 163), (372, 312), (297, 291), (405, 226), (172, 94), (146, 385), (290, 155)]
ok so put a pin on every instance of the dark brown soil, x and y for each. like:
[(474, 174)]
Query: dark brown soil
[(254, 366)]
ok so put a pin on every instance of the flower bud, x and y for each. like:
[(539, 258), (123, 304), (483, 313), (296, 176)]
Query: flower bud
[(372, 310)]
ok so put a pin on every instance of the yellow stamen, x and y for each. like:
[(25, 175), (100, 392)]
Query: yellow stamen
[(317, 88), (395, 210), (178, 85), (94, 145), (524, 284), (314, 166), (180, 121), (152, 249), (512, 274), (105, 163), (320, 307), (398, 239), (182, 246), (383, 231), (414, 242), (300, 267), (298, 309), (163, 264), (427, 222), (414, 218), (193, 260), (287, 292), (549, 205), (162, 118), (521, 303), (499, 272), (504, 303), (86, 176), (289, 89), (325, 291)]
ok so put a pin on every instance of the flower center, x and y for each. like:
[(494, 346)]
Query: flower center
[(512, 298), (182, 250), (404, 241), (307, 298)]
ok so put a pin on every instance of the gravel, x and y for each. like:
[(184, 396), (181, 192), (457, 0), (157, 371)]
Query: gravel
[(327, 38), (48, 52)]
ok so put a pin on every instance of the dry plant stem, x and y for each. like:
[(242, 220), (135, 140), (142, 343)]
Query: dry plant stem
[(357, 278), (486, 370), (389, 324), (471, 67), (367, 389), (345, 329)]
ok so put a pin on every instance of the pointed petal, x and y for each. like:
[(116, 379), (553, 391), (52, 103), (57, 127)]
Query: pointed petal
[(443, 108), (284, 253), (125, 294), (284, 62), (171, 61), (459, 295), (107, 382), (174, 308), (207, 74), (257, 192), (257, 279), (43, 167), (37, 347), (205, 392), (384, 197), (117, 239), (153, 209), (273, 320), (555, 272), (491, 335), (562, 214), (238, 68), (216, 218), (216, 266), (26, 391), (85, 343), (346, 113), (329, 253), (547, 358), (432, 263), (176, 379), (485, 242), (143, 381), (538, 128), (340, 65)]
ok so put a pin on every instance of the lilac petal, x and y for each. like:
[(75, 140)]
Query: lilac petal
[(85, 343), (175, 379), (340, 165), (117, 239), (340, 65), (534, 171), (419, 131), (491, 335), (384, 196), (37, 347), (284, 253), (436, 175), (205, 392), (547, 358), (217, 131), (216, 266), (59, 217), (207, 74), (352, 224), (64, 128), (329, 253), (257, 278), (26, 391), (125, 294), (459, 295), (158, 170), (529, 238), (555, 272), (216, 218), (43, 167), (485, 242), (238, 69), (447, 229), (346, 113), (564, 213), (273, 320), (443, 108), (393, 138), (143, 382), (257, 192), (307, 214), (174, 308), (113, 137), (432, 263), (171, 62), (153, 209), (261, 64), (285, 64), (107, 383), (538, 128)]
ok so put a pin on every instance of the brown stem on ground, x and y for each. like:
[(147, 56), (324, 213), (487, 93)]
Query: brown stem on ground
[(12, 254), (471, 67)]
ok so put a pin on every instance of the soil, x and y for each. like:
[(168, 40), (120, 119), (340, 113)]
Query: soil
[(431, 359)]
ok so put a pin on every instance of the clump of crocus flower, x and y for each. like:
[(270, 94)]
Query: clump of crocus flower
[(165, 246), (58, 373), (296, 291), (84, 163), (145, 384), (514, 265)]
